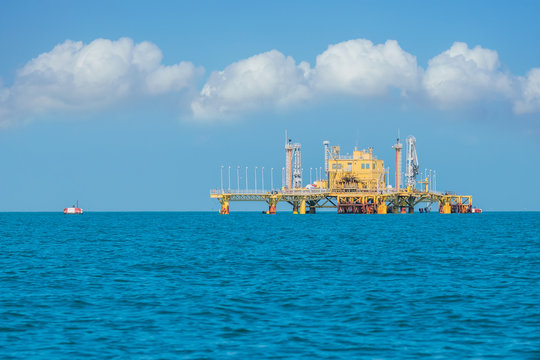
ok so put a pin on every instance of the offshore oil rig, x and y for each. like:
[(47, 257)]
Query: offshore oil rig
[(353, 184)]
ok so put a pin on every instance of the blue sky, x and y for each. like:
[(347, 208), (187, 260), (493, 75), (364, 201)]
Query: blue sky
[(136, 106)]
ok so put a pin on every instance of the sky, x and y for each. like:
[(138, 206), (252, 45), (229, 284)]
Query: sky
[(137, 106)]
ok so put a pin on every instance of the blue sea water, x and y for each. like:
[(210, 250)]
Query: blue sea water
[(254, 286)]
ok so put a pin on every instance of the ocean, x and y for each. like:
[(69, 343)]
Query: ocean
[(198, 285)]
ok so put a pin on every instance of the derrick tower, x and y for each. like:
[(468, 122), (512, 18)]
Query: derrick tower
[(293, 164), (411, 162), (326, 144), (297, 171)]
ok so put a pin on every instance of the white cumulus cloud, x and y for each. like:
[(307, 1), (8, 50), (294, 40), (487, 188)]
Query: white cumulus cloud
[(267, 79), (78, 76), (464, 75), (359, 67)]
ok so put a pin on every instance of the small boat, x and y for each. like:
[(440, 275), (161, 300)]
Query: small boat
[(476, 211), (74, 209)]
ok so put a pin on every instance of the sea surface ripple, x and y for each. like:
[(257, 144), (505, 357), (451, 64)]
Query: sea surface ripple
[(253, 286)]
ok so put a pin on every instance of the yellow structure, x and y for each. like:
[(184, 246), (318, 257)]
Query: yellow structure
[(355, 184), (360, 172)]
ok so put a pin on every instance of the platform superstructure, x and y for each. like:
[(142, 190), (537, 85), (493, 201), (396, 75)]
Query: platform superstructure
[(356, 184)]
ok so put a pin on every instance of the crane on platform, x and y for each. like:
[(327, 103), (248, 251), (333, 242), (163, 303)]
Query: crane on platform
[(411, 162)]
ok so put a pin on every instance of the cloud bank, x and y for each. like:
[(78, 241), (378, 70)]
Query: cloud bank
[(459, 76), (105, 72)]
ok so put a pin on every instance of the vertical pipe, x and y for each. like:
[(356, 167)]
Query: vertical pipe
[(262, 179), (398, 169), (396, 182), (398, 148), (221, 176), (289, 180), (246, 179), (288, 164), (238, 177), (426, 180), (272, 179), (229, 178), (255, 178)]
